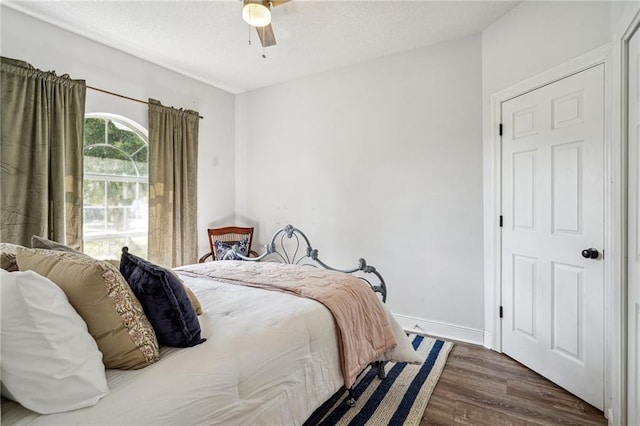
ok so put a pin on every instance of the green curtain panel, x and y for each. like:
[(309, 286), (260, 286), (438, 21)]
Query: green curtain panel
[(173, 161), (41, 154)]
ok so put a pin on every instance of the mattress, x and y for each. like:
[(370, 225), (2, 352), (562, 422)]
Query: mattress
[(270, 358)]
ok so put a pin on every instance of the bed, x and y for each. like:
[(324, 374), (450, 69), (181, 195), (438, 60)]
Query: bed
[(271, 357)]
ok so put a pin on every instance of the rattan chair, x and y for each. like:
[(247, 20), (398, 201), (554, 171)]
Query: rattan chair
[(230, 235)]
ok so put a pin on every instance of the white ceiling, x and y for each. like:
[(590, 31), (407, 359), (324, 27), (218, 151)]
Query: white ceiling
[(208, 40)]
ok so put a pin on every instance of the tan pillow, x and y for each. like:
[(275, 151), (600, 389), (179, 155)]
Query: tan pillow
[(8, 257), (114, 262), (104, 300), (192, 297), (194, 300)]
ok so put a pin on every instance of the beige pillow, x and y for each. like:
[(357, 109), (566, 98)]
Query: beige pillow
[(104, 300), (114, 262), (192, 297), (194, 300), (8, 257)]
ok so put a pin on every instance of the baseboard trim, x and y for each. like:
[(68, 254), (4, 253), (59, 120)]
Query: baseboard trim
[(488, 340), (440, 329)]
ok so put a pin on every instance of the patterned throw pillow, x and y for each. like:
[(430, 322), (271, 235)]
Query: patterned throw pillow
[(101, 296), (164, 300), (222, 248), (8, 256)]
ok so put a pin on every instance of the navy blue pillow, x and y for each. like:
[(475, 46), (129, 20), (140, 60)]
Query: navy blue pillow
[(164, 300)]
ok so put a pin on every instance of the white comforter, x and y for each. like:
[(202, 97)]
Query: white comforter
[(270, 358)]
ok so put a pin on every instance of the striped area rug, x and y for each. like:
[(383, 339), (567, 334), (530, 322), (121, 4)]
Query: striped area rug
[(402, 397)]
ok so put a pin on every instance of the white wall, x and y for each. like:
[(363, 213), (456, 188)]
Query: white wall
[(537, 36), (621, 14), (50, 48), (380, 160)]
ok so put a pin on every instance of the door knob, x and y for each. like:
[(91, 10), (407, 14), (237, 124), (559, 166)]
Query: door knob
[(590, 253)]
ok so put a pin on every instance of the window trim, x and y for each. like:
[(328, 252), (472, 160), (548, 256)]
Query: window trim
[(143, 134), (115, 178)]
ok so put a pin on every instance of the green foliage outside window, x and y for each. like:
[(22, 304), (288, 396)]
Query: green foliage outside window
[(108, 149)]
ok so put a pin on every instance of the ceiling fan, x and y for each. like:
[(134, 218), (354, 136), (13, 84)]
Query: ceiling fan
[(257, 13)]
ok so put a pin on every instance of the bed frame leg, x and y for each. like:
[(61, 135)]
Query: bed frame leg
[(351, 400), (380, 366)]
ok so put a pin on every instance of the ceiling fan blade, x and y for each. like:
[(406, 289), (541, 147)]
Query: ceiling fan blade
[(276, 3), (267, 38)]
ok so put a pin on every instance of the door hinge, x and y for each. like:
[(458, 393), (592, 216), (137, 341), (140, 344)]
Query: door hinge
[(500, 129), (500, 311), (500, 221)]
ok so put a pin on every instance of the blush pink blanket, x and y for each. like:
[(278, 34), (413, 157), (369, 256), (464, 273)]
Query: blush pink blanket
[(364, 331)]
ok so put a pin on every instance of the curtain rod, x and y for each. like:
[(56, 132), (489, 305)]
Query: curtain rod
[(124, 97)]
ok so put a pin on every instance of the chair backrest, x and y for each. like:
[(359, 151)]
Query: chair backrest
[(229, 235)]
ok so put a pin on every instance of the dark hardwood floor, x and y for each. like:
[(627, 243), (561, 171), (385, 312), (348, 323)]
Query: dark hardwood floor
[(483, 387)]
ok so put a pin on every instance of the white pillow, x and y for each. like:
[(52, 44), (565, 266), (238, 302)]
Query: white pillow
[(49, 361), (403, 352)]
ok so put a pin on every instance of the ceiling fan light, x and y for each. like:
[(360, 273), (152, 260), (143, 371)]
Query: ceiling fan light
[(256, 14)]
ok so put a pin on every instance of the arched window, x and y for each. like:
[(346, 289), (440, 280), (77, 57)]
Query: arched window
[(116, 186)]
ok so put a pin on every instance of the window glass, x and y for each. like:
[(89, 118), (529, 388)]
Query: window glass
[(115, 187)]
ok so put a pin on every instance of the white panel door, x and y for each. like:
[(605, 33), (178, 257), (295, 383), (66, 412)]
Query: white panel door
[(634, 232), (552, 206)]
